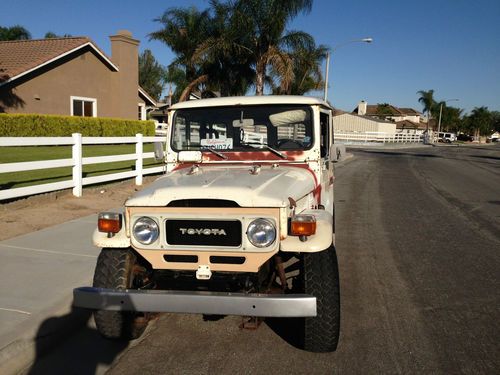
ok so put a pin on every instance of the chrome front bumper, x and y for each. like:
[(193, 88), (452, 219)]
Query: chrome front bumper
[(264, 305)]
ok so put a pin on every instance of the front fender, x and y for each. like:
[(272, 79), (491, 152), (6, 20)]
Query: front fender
[(320, 241), (119, 240)]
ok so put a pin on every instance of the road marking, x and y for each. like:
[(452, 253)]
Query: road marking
[(48, 251), (17, 311)]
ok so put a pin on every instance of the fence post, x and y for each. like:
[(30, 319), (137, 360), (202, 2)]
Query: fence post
[(138, 160), (77, 164)]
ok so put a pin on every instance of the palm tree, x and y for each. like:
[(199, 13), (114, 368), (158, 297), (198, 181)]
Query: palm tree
[(224, 56), (427, 100), (451, 117), (237, 43), (16, 32), (307, 73), (481, 121), (183, 30), (263, 23)]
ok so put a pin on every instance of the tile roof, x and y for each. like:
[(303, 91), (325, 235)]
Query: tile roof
[(20, 56), (366, 117), (409, 111), (372, 110), (407, 124)]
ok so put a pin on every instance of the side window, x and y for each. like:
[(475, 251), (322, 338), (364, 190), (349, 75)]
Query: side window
[(324, 120)]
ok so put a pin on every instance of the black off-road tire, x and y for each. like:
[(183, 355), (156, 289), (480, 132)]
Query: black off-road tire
[(115, 270), (321, 279)]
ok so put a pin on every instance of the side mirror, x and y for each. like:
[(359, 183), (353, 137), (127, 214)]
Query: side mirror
[(159, 151), (337, 152)]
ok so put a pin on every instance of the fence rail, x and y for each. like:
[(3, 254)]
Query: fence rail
[(376, 137), (77, 162)]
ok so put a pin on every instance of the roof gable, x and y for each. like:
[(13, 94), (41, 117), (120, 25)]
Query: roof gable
[(21, 57)]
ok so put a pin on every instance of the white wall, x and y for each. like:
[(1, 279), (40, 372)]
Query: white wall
[(352, 123)]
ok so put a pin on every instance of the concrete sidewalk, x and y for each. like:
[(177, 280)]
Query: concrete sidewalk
[(38, 272)]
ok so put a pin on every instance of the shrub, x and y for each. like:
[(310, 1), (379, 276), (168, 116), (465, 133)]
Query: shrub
[(34, 125)]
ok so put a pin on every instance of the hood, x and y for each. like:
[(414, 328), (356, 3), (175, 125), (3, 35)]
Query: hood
[(269, 187)]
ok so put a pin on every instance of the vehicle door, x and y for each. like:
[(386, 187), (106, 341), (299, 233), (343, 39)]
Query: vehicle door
[(326, 141)]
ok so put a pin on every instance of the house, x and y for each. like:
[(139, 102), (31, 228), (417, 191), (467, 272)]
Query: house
[(72, 76), (354, 123), (407, 120)]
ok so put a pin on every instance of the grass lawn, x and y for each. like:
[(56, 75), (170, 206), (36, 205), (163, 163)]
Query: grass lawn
[(41, 176)]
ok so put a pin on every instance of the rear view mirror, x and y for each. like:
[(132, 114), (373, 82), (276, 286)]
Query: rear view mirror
[(243, 122), (159, 151)]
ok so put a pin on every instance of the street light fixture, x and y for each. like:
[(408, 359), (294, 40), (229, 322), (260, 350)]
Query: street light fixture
[(441, 112), (362, 40)]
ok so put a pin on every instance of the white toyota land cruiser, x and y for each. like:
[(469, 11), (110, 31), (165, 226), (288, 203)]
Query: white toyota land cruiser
[(242, 223)]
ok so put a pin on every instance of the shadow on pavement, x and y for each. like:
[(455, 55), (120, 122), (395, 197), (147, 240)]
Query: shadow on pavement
[(397, 153), (60, 349), (289, 329)]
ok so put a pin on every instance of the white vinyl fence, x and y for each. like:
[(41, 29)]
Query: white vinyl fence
[(376, 137), (77, 162)]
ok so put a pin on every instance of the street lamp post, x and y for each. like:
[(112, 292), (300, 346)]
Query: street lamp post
[(441, 112), (363, 40)]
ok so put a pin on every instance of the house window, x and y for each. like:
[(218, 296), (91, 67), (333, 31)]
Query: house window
[(141, 111), (86, 107)]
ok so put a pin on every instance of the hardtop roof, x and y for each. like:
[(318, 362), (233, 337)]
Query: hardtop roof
[(250, 100)]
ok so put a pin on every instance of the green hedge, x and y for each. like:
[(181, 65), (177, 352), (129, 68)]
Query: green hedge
[(33, 125)]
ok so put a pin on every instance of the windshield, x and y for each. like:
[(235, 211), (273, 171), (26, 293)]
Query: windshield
[(243, 128)]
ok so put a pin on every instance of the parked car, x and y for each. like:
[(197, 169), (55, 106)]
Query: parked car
[(447, 137), (242, 223), (465, 137)]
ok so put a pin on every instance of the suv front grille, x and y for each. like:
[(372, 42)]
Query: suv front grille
[(204, 232)]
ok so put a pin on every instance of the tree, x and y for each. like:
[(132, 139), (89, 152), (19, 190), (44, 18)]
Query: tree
[(264, 23), (428, 102), (51, 35), (481, 121), (238, 43), (16, 32), (225, 56), (384, 109), (307, 75), (495, 115), (183, 30), (151, 74), (450, 118)]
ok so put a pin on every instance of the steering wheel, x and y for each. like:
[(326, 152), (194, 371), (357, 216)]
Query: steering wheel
[(289, 143)]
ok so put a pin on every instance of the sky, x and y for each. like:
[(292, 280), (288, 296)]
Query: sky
[(450, 46)]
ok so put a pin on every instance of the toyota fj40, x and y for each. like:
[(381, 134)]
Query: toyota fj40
[(241, 223)]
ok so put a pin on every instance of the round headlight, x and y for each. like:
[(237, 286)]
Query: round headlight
[(145, 230), (261, 232)]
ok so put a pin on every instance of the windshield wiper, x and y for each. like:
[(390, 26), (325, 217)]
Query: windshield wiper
[(267, 147), (219, 154)]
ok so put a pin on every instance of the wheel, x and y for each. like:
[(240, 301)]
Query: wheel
[(321, 279), (115, 269)]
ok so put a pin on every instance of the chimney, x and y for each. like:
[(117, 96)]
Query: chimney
[(124, 54), (362, 108)]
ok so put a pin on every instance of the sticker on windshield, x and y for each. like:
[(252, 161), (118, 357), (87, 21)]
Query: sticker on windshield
[(218, 144)]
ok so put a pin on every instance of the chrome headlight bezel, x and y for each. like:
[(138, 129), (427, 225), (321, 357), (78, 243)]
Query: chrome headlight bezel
[(145, 230), (261, 232)]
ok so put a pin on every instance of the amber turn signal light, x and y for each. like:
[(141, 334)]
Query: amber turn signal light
[(303, 225), (109, 222)]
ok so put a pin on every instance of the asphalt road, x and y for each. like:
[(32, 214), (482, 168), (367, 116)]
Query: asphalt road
[(418, 242)]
